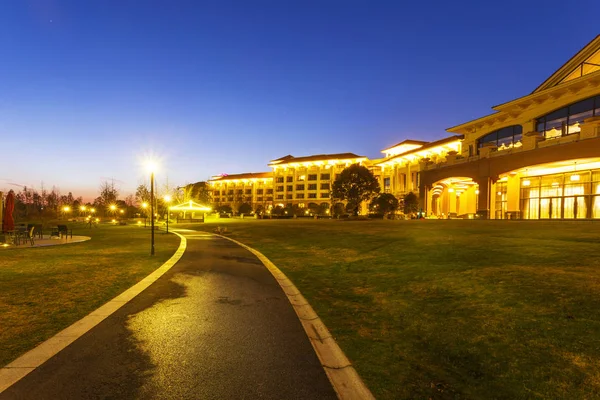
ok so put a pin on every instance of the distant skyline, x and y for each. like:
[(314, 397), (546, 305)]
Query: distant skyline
[(86, 89)]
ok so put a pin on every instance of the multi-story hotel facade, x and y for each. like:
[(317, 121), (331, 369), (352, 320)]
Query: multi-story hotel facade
[(253, 188), (534, 157)]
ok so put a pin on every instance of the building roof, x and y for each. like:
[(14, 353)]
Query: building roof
[(247, 175), (281, 159), (563, 80), (318, 157), (407, 141), (567, 68), (429, 145)]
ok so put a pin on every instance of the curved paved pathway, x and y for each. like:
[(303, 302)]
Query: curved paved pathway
[(215, 326)]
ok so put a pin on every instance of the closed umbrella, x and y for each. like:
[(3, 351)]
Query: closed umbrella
[(8, 223)]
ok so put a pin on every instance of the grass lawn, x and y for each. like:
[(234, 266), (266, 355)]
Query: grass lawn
[(45, 289), (450, 309)]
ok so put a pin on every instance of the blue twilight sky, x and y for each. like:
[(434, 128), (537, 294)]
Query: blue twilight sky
[(88, 87)]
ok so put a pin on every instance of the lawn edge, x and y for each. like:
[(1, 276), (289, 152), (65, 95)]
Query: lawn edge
[(343, 377), (28, 362)]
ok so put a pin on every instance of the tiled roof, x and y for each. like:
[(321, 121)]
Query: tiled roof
[(427, 146), (247, 175), (408, 141), (317, 157)]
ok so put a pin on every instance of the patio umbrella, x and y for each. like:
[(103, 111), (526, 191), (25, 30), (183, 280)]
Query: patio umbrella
[(8, 223)]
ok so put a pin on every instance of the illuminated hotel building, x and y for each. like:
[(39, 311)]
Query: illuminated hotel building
[(306, 181), (534, 157), (256, 189)]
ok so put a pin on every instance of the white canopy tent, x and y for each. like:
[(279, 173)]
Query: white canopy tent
[(190, 207)]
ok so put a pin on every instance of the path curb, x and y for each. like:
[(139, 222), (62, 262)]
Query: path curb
[(28, 362), (343, 377)]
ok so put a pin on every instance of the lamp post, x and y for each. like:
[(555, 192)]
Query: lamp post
[(152, 209), (167, 199)]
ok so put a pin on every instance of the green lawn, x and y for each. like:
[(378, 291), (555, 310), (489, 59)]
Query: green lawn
[(43, 290), (450, 309)]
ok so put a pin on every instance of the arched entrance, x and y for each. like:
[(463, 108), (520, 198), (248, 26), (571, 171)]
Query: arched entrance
[(454, 197)]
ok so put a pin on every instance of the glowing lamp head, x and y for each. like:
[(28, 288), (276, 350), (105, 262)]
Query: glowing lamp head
[(167, 198), (66, 208), (82, 208), (113, 207), (151, 165), (144, 205), (93, 210)]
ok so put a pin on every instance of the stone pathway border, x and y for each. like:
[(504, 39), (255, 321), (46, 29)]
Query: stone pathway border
[(19, 368), (343, 377)]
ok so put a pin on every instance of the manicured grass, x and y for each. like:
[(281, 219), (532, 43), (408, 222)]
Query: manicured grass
[(450, 309), (43, 290)]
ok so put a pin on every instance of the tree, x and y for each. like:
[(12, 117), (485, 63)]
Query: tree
[(355, 185), (411, 203), (338, 209), (197, 192), (245, 208), (324, 209), (108, 193), (142, 194), (226, 209), (278, 210), (384, 204)]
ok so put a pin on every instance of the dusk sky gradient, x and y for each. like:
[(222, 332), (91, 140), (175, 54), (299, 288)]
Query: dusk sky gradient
[(87, 88)]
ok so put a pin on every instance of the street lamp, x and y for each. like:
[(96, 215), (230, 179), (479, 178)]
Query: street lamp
[(167, 199), (66, 209), (151, 166)]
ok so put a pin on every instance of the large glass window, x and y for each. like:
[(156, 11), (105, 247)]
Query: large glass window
[(572, 195), (504, 137), (501, 190), (567, 120)]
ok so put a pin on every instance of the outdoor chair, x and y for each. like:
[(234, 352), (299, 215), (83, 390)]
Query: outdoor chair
[(28, 235), (64, 230), (38, 230)]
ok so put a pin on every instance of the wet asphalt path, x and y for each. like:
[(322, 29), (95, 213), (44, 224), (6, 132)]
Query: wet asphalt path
[(216, 326)]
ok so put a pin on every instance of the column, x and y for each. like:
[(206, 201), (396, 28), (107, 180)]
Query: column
[(483, 206)]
